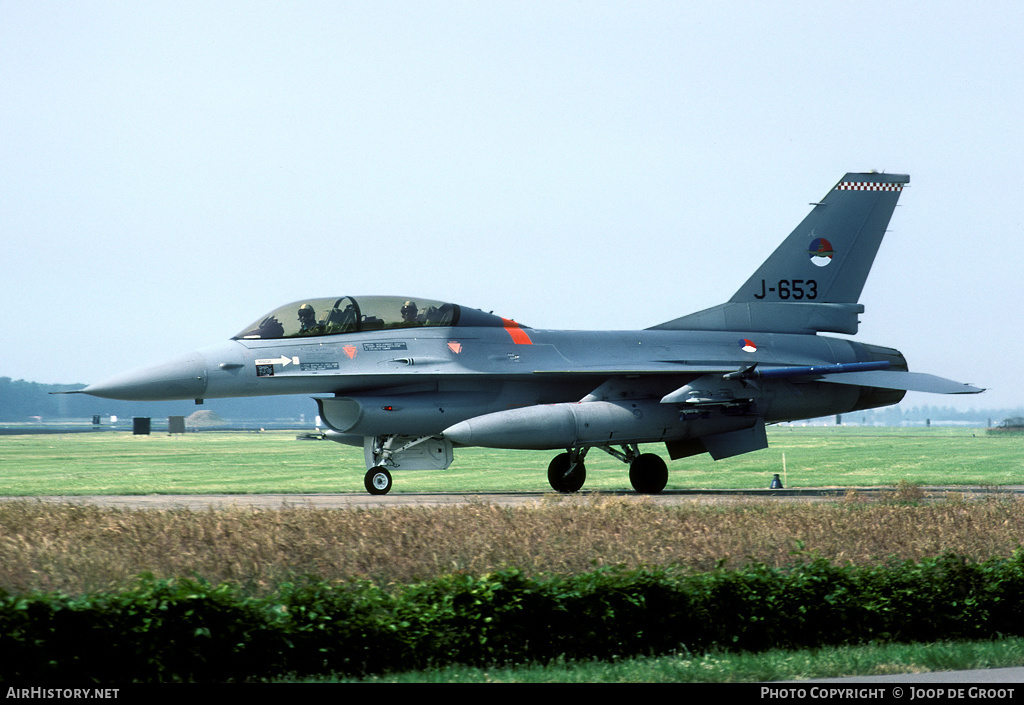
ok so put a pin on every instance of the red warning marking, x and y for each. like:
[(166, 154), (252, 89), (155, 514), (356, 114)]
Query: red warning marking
[(519, 336)]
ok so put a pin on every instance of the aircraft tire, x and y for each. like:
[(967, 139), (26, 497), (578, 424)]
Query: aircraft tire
[(648, 474), (378, 480), (562, 479)]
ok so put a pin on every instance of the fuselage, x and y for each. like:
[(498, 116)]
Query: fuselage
[(465, 371)]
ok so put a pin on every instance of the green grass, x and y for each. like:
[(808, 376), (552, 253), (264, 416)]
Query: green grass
[(217, 462), (722, 667)]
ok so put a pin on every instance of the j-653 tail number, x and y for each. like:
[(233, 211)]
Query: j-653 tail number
[(790, 289)]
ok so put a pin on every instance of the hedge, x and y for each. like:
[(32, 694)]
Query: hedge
[(189, 630)]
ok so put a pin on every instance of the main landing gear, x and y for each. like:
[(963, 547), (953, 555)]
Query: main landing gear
[(648, 473), (566, 472)]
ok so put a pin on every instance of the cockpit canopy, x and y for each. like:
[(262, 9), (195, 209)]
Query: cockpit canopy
[(347, 314)]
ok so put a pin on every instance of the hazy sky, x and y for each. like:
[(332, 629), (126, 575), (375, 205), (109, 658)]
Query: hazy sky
[(172, 170)]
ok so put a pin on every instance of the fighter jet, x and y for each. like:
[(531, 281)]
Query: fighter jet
[(410, 379)]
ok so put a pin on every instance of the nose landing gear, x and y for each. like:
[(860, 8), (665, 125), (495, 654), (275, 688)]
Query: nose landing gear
[(377, 480)]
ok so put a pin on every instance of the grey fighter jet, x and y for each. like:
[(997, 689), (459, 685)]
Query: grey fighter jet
[(410, 379)]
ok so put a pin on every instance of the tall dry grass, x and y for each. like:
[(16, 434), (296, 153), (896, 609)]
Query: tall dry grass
[(77, 549)]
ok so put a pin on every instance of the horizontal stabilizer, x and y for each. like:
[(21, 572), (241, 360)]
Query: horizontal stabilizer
[(907, 381)]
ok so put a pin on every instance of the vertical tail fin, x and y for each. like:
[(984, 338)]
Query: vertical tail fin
[(813, 280), (834, 246)]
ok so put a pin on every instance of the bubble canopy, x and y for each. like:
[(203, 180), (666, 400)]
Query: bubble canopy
[(349, 314)]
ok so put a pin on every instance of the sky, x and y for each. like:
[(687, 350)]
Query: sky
[(169, 171)]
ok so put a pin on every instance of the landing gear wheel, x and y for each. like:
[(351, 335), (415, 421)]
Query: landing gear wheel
[(564, 476), (648, 474), (377, 480)]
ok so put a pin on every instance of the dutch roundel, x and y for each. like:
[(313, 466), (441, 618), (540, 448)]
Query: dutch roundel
[(820, 252), (747, 345)]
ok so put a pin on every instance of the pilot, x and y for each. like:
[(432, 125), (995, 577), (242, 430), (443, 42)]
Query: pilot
[(409, 313), (307, 321)]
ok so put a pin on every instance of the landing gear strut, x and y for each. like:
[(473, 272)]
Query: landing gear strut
[(566, 472)]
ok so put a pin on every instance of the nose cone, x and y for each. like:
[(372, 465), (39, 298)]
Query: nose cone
[(182, 378)]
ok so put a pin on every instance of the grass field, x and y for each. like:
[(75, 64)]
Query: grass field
[(222, 462)]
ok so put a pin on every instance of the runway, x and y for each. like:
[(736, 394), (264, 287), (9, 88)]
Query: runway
[(360, 500)]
